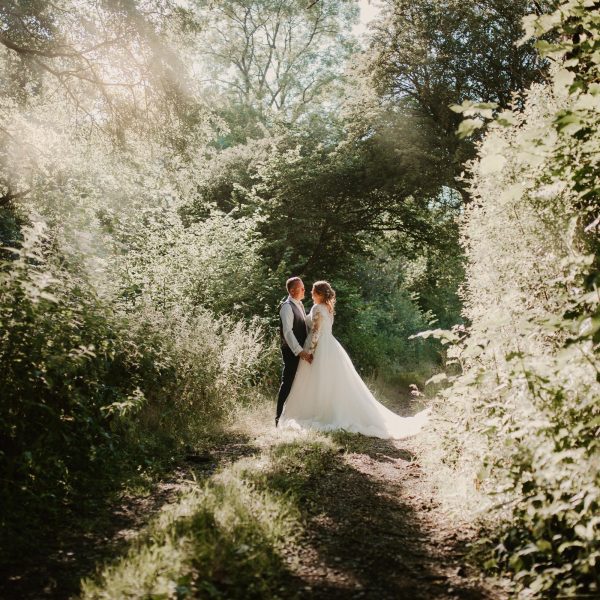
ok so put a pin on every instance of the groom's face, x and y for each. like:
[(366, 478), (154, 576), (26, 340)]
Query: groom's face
[(297, 292)]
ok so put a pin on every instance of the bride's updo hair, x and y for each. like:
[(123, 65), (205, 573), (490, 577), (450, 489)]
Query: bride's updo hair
[(324, 289)]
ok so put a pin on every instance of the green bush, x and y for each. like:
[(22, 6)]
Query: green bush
[(378, 311), (85, 384), (67, 371), (528, 396)]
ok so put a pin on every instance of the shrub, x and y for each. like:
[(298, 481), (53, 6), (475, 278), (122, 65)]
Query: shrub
[(66, 371), (85, 384), (528, 396)]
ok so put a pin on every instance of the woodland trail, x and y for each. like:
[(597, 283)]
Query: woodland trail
[(376, 533), (374, 530), (371, 528)]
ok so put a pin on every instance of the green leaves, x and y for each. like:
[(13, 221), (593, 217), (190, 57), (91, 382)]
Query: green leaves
[(569, 123), (481, 111), (470, 108), (492, 163), (564, 78), (468, 127), (530, 361), (128, 407)]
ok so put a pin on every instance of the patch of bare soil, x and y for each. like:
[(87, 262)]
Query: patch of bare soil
[(374, 531)]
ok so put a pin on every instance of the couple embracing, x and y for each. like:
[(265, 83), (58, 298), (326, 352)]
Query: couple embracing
[(320, 388)]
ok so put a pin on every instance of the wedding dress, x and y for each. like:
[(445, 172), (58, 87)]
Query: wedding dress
[(329, 394)]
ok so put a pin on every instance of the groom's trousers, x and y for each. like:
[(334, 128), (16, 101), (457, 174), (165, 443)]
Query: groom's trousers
[(290, 365)]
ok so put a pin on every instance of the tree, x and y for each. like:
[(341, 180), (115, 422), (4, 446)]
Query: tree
[(95, 74), (275, 57), (429, 55), (108, 58), (321, 200)]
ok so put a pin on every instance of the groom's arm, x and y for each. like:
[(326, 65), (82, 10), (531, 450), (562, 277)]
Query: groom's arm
[(287, 321)]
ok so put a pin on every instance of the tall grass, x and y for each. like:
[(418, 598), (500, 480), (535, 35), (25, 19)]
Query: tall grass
[(222, 540)]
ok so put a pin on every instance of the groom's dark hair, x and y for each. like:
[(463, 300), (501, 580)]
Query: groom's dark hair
[(292, 282)]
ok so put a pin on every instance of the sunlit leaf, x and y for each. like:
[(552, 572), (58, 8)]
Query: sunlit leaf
[(468, 126), (492, 163)]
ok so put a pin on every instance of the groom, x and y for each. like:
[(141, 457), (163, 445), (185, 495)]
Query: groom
[(293, 330)]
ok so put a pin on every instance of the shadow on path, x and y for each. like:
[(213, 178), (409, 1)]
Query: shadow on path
[(369, 529), (364, 538), (101, 526)]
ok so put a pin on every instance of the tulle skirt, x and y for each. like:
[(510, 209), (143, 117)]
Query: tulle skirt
[(329, 394)]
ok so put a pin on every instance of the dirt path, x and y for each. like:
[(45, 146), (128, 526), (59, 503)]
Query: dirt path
[(375, 532), (372, 529)]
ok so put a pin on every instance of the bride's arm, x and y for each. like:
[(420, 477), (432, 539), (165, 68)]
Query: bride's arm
[(317, 318), (309, 319)]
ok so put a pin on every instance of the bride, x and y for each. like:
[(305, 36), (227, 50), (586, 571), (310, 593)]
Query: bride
[(328, 393)]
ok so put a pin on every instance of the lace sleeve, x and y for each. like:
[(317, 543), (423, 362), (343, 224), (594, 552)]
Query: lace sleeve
[(316, 329)]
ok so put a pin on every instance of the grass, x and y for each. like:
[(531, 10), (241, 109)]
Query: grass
[(227, 537), (219, 541), (238, 533)]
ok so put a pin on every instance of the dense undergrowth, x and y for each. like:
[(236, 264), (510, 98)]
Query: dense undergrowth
[(92, 392), (521, 421)]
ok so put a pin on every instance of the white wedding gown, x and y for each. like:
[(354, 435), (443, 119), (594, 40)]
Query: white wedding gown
[(329, 394)]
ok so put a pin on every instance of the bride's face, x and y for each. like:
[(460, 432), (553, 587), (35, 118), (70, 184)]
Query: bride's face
[(317, 298)]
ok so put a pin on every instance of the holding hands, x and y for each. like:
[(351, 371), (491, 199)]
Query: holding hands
[(307, 356)]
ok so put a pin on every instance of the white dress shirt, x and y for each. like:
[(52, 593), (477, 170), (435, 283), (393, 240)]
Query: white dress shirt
[(287, 320)]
